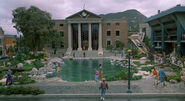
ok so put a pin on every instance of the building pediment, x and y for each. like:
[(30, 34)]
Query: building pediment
[(84, 14)]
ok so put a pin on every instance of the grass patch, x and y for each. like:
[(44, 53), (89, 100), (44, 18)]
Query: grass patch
[(176, 77), (123, 75), (148, 69)]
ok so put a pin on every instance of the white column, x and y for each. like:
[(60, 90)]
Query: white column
[(90, 39), (79, 38), (100, 38), (69, 38)]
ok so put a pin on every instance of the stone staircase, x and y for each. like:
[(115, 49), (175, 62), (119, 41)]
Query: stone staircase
[(87, 54)]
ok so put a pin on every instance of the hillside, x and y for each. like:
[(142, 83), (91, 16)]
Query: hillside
[(133, 17)]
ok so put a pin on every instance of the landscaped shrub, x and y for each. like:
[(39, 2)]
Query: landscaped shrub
[(38, 64), (21, 78), (148, 69), (176, 68), (2, 74), (176, 77), (136, 77), (123, 75), (27, 67), (20, 90), (137, 63)]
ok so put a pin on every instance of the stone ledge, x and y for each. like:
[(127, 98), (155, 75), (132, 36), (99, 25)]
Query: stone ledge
[(109, 95)]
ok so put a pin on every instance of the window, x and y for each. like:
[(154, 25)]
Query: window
[(61, 25), (117, 24), (108, 43), (108, 24), (61, 33), (117, 33), (61, 45), (108, 33)]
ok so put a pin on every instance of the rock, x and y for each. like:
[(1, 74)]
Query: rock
[(3, 80), (34, 71), (173, 81), (143, 58), (19, 66), (28, 61)]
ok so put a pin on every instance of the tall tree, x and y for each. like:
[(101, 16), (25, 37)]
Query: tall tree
[(35, 25)]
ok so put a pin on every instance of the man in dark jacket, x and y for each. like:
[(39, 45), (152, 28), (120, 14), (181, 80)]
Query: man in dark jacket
[(103, 87)]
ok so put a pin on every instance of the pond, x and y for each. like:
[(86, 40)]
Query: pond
[(84, 69)]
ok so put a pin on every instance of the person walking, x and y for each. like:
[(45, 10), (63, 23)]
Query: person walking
[(96, 75), (9, 78), (103, 87), (162, 76), (155, 75)]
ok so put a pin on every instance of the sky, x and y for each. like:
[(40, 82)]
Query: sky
[(60, 9)]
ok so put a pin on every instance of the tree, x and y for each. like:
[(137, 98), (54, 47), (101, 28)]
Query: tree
[(119, 45), (35, 25), (146, 41)]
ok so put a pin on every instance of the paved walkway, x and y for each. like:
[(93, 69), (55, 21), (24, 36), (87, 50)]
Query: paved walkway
[(57, 86)]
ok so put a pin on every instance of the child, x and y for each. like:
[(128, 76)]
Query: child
[(96, 75), (155, 74)]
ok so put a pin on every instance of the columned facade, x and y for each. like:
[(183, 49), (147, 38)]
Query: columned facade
[(70, 34)]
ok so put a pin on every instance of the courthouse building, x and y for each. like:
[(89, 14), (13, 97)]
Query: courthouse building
[(86, 31)]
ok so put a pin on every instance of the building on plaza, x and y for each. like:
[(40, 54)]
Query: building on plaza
[(168, 31), (86, 31), (10, 41), (2, 50)]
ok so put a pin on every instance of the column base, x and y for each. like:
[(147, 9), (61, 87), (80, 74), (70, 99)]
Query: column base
[(68, 52), (100, 52), (79, 49), (89, 49)]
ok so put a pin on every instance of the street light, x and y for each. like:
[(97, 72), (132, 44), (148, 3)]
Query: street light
[(129, 91)]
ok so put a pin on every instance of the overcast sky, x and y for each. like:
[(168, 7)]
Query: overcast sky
[(60, 9)]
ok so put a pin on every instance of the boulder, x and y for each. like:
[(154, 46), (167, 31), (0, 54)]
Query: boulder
[(28, 61), (173, 81), (34, 71), (143, 58), (19, 66)]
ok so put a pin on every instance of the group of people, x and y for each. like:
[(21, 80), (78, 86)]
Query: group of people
[(159, 76), (103, 84)]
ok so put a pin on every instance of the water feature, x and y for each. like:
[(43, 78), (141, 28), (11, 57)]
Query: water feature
[(84, 69)]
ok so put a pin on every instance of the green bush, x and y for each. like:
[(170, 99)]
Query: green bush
[(136, 77), (22, 78), (148, 69), (176, 77), (176, 68), (123, 75), (20, 90), (109, 47), (137, 63), (38, 64), (27, 67)]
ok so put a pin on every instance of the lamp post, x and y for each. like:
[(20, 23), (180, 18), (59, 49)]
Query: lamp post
[(129, 91)]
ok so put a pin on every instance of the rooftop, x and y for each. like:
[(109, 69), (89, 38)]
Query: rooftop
[(175, 9)]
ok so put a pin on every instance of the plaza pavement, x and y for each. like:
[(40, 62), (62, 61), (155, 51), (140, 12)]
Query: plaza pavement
[(57, 86)]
